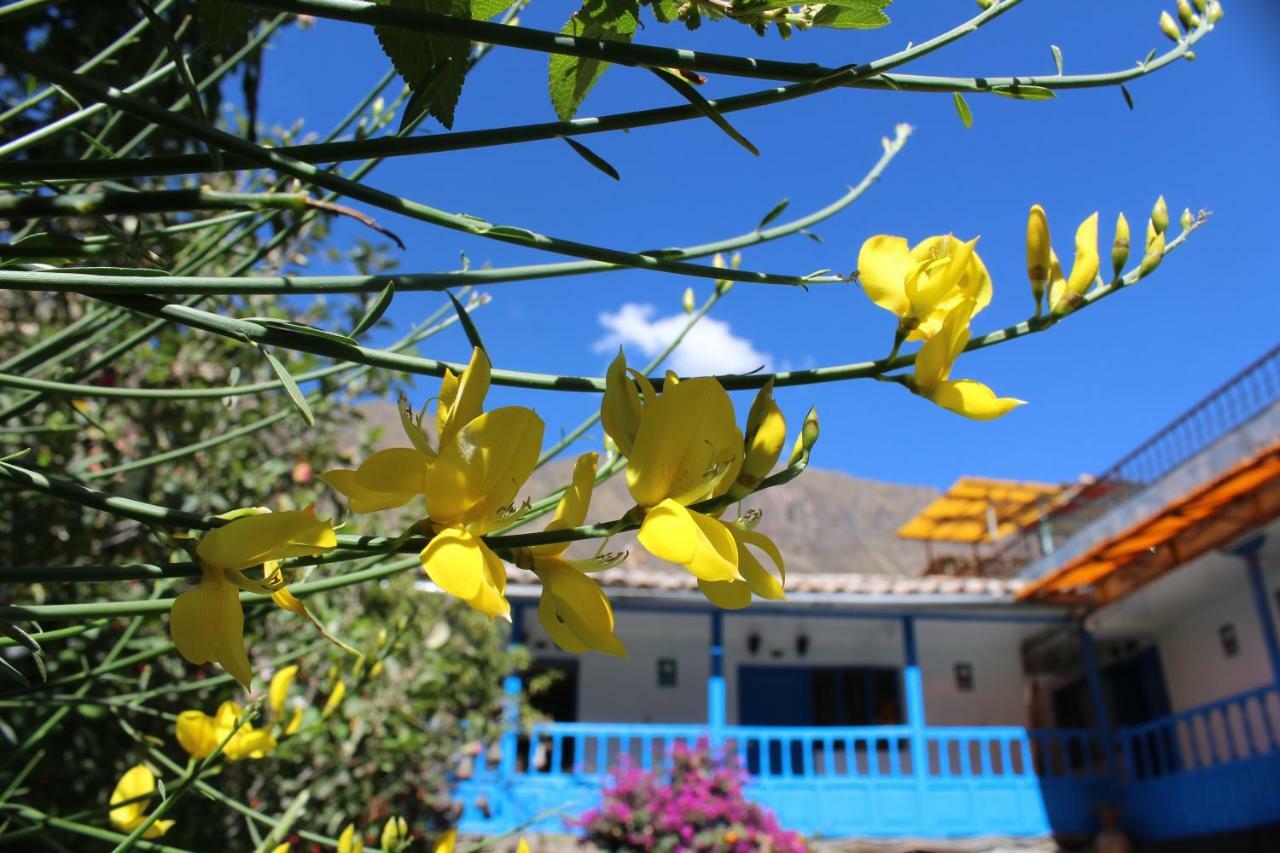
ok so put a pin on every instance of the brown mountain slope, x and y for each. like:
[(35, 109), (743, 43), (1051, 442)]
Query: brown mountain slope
[(824, 521)]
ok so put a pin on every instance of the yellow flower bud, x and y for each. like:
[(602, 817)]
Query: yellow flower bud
[(1189, 19), (688, 300), (1201, 5), (349, 841), (1214, 12), (1154, 254), (334, 700), (1187, 219), (1168, 27), (1038, 251), (1160, 215), (1120, 246), (394, 833)]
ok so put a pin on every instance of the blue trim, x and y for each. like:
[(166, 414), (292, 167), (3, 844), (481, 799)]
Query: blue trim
[(716, 714), (1249, 551), (512, 685)]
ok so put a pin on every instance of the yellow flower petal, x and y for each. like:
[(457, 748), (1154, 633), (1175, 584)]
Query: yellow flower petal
[(197, 733), (336, 696), (1084, 269), (396, 830), (463, 566), (249, 743), (207, 625), (254, 539), (411, 422), (700, 543), (396, 470), (283, 847), (621, 406), (557, 628), (759, 579), (766, 434), (1038, 249), (138, 781), (579, 604), (467, 399), (295, 722), (349, 841), (973, 400), (727, 595), (360, 499), (571, 511), (883, 264), (482, 469), (688, 446), (937, 355), (279, 690)]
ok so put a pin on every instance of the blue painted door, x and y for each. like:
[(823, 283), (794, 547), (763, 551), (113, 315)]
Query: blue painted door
[(774, 696)]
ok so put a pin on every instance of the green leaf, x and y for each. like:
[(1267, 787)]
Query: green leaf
[(484, 10), (440, 78), (773, 214), (706, 107), (376, 309), (570, 78), (22, 638), (852, 15), (812, 236), (1057, 57), (291, 387), (424, 60), (225, 24), (962, 109), (593, 158), (1025, 93), (1128, 99), (303, 329), (468, 327), (14, 673), (1151, 54), (196, 103)]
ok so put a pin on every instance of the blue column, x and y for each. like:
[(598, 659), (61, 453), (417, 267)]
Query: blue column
[(511, 686), (715, 680), (1250, 552), (914, 716)]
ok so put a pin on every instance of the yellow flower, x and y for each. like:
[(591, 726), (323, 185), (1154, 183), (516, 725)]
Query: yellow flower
[(396, 832), (1039, 252), (573, 608), (350, 841), (207, 622), (393, 477), (626, 391), (199, 734), (336, 695), (1066, 293), (933, 365), (470, 490), (446, 842), (766, 434), (687, 448), (282, 847), (756, 579), (921, 284), (279, 690), (522, 847), (130, 799)]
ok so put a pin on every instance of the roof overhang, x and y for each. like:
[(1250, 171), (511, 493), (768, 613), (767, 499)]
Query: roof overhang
[(976, 509), (1210, 516)]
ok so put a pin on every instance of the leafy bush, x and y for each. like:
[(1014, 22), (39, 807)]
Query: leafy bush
[(698, 807)]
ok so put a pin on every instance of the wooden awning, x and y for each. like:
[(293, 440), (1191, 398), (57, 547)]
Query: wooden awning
[(976, 509), (1212, 515)]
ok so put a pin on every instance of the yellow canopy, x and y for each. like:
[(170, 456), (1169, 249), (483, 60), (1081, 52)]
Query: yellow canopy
[(976, 509)]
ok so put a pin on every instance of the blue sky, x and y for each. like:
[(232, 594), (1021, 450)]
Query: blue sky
[(1203, 134)]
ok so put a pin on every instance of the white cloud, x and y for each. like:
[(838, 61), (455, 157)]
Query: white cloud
[(710, 347)]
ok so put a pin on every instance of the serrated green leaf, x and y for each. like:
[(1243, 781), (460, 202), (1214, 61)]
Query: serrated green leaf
[(570, 78), (773, 213), (376, 309), (424, 59), (708, 109), (593, 158), (1128, 99), (1025, 93), (225, 24), (485, 10), (852, 14), (303, 329), (291, 387), (439, 79), (962, 109), (468, 327), (1057, 57)]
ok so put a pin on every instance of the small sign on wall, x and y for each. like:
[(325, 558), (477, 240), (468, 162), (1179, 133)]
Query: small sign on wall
[(667, 673)]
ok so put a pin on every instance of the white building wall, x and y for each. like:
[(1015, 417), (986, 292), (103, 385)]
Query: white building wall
[(612, 690)]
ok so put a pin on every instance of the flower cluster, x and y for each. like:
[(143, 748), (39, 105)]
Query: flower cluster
[(698, 806)]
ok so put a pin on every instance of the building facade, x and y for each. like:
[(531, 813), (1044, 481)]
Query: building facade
[(1117, 651)]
